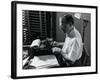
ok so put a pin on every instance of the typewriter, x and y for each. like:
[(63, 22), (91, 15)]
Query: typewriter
[(39, 48)]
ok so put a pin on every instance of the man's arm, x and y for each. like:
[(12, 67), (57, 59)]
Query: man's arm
[(58, 44), (72, 51)]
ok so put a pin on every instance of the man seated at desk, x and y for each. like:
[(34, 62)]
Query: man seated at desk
[(71, 50), (68, 53)]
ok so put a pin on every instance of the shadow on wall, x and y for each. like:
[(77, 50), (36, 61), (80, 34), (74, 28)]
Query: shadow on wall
[(60, 36)]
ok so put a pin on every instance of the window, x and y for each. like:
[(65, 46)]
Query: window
[(38, 24)]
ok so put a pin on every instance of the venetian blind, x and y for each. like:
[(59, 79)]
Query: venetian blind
[(34, 24)]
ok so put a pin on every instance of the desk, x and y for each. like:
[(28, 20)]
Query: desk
[(40, 61)]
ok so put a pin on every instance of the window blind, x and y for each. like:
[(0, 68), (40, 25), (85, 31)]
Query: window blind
[(36, 24)]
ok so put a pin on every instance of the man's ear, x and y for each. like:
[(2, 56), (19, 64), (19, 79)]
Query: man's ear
[(70, 24)]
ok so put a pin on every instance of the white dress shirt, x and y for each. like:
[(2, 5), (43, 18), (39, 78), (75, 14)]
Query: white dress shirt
[(72, 48)]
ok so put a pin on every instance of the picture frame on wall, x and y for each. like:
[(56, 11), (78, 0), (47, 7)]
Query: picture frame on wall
[(37, 31)]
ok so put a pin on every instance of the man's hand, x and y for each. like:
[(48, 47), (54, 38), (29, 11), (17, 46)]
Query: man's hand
[(56, 49), (57, 44), (54, 43)]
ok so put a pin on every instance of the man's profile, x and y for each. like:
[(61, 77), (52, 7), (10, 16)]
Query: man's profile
[(72, 47)]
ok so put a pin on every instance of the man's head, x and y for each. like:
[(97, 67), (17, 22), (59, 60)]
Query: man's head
[(67, 22)]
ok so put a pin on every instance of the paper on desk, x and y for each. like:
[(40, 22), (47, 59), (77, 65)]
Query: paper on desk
[(25, 60), (36, 42), (44, 61)]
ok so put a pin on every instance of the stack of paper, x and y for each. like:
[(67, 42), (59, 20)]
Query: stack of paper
[(44, 61)]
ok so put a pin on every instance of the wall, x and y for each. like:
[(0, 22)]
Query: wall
[(79, 25)]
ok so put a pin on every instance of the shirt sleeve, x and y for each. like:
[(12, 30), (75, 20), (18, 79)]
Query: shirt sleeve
[(71, 49), (74, 51)]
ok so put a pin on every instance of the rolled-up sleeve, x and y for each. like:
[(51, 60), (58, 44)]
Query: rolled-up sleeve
[(71, 49)]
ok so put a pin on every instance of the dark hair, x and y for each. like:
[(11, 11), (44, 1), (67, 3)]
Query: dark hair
[(67, 19)]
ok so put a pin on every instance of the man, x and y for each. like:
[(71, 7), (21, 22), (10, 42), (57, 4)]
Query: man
[(71, 50)]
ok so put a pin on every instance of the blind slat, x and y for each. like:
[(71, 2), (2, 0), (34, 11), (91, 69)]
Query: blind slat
[(36, 23)]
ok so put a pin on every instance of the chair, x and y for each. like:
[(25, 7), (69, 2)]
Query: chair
[(85, 59)]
